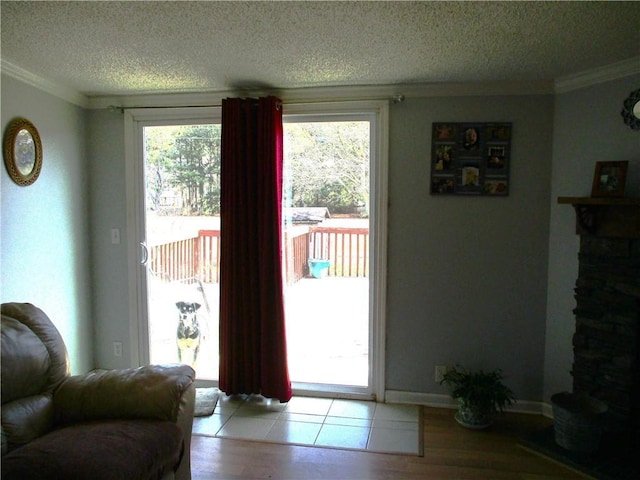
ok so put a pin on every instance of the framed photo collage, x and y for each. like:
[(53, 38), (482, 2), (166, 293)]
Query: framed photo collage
[(470, 158)]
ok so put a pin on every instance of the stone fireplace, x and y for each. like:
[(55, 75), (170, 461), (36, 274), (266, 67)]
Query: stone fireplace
[(606, 342)]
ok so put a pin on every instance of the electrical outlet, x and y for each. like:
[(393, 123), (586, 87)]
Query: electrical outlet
[(117, 349), (440, 371), (115, 236)]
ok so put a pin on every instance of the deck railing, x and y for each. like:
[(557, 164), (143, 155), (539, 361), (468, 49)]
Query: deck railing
[(345, 248), (199, 257)]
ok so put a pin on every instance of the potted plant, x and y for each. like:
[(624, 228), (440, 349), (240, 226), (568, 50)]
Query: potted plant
[(480, 395)]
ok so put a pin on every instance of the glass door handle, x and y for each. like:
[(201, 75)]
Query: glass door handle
[(145, 253)]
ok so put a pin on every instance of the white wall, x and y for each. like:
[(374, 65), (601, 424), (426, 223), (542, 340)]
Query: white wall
[(479, 281), (109, 263), (587, 128), (467, 276), (45, 226)]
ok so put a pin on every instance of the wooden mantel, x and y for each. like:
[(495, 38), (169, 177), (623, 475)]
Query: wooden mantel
[(606, 217)]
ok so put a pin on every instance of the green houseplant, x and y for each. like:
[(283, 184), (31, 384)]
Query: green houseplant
[(480, 395)]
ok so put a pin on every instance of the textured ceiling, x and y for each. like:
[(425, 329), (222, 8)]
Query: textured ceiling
[(108, 48)]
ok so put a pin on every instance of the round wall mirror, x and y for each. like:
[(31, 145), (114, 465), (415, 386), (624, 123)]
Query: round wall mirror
[(22, 151), (631, 110)]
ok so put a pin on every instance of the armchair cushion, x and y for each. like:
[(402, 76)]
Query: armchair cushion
[(152, 392), (77, 452)]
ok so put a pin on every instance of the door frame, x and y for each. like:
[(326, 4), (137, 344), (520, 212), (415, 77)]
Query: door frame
[(376, 112), (135, 119)]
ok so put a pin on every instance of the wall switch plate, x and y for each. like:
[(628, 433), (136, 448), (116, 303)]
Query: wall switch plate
[(117, 349), (115, 236), (440, 371)]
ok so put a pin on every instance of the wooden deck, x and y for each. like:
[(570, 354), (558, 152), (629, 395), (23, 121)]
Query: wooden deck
[(327, 328)]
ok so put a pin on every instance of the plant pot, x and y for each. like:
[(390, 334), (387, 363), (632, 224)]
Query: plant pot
[(473, 417), (577, 421)]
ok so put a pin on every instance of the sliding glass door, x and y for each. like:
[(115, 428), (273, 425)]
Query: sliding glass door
[(335, 222), (326, 212)]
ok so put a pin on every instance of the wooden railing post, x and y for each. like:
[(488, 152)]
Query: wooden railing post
[(210, 256)]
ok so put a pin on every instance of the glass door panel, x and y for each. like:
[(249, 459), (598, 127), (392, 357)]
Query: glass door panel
[(182, 198), (327, 254)]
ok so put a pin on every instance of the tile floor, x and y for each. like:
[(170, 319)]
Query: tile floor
[(325, 422)]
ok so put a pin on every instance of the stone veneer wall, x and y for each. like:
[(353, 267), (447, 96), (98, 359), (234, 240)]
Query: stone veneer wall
[(606, 342)]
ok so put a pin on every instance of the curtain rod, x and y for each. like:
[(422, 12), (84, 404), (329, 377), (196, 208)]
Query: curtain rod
[(398, 98), (113, 108)]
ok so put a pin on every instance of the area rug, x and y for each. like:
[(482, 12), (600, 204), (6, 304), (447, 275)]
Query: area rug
[(617, 458), (206, 401)]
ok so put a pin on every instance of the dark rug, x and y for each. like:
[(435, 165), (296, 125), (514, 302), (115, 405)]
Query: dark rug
[(617, 458), (206, 401)]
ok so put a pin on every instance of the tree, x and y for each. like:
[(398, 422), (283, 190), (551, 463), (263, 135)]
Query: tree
[(158, 144), (328, 164), (186, 158)]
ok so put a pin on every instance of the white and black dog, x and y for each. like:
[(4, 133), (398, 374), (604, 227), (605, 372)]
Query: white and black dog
[(188, 335)]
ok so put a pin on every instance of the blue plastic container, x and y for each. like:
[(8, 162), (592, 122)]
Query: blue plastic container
[(318, 267)]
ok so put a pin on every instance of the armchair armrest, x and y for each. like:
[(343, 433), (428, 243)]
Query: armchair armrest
[(155, 392)]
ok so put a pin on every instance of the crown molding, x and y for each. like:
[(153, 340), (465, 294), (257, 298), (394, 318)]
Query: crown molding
[(60, 91), (325, 94), (596, 76), (155, 100)]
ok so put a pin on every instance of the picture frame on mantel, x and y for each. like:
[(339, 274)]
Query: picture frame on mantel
[(609, 179)]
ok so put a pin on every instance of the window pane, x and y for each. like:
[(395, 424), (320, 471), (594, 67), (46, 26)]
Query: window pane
[(182, 191)]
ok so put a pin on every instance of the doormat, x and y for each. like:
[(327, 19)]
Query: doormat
[(206, 401), (617, 458)]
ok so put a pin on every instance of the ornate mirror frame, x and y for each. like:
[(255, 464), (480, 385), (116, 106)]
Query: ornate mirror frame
[(631, 110), (22, 151)]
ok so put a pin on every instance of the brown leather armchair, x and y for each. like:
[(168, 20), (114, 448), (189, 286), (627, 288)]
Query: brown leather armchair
[(106, 425)]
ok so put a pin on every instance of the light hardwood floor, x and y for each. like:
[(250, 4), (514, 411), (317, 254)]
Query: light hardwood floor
[(450, 452)]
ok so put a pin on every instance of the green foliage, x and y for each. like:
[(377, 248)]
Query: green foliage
[(327, 166), (187, 159), (478, 390)]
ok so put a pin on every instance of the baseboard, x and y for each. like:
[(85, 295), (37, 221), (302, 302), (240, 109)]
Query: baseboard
[(527, 406), (445, 401), (417, 398)]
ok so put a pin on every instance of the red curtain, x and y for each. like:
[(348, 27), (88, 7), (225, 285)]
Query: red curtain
[(253, 347)]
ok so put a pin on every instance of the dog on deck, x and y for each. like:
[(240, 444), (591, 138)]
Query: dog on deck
[(188, 334)]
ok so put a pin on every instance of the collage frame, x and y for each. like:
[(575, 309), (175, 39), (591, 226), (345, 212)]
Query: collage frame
[(470, 158)]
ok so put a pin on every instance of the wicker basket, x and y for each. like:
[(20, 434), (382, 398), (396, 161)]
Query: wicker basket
[(578, 420)]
